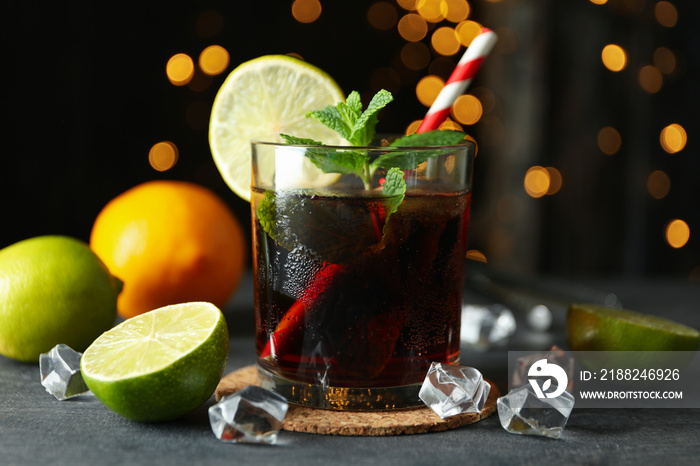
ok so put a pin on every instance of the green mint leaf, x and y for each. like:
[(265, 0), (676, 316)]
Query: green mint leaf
[(353, 124), (353, 101), (395, 188), (408, 160), (330, 161), (332, 118), (267, 216), (351, 110), (430, 138), (364, 129), (394, 184), (348, 119), (405, 160), (300, 141), (335, 161)]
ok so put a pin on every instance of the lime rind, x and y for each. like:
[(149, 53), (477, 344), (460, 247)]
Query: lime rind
[(598, 328)]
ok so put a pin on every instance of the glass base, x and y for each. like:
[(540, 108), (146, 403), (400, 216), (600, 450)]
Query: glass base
[(341, 398)]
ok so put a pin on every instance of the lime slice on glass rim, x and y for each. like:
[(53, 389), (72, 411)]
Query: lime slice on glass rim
[(260, 99), (159, 365), (597, 328)]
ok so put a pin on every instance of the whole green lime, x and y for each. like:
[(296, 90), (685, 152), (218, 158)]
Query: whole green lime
[(53, 289), (159, 365)]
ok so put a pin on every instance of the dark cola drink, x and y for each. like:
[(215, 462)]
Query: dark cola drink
[(354, 295)]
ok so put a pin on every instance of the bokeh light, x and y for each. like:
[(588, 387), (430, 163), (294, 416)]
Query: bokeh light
[(180, 69), (407, 4), (433, 11), (412, 27), (213, 60), (658, 184), (677, 233), (476, 255), (555, 180), (382, 15), (450, 124), (457, 10), (415, 55), (673, 138), (445, 41), (666, 14), (536, 181), (467, 31), (413, 127), (467, 109), (609, 140), (306, 11), (665, 60), (428, 89), (599, 2), (163, 156), (650, 79), (614, 57)]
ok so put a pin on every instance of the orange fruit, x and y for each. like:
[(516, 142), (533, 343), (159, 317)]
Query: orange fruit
[(170, 242)]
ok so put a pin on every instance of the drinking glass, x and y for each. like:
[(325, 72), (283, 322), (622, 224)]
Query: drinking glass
[(357, 289)]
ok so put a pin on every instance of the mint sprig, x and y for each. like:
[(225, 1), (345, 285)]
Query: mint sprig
[(358, 127), (350, 121)]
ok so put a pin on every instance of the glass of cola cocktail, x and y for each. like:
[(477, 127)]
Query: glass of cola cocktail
[(358, 283)]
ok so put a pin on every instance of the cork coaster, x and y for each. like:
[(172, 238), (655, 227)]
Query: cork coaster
[(373, 423)]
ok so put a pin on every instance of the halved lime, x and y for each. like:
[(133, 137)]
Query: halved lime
[(260, 99), (159, 365), (598, 328)]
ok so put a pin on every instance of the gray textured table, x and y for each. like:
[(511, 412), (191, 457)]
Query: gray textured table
[(37, 429)]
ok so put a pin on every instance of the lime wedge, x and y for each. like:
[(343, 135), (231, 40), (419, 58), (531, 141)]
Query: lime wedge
[(260, 99), (159, 365), (597, 328)]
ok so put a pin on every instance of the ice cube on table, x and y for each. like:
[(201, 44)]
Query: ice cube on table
[(486, 326), (450, 390), (522, 412), (251, 415), (60, 372)]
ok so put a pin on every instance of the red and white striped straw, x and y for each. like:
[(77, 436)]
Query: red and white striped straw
[(459, 80)]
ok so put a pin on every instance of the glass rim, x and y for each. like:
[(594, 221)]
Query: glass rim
[(462, 144)]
